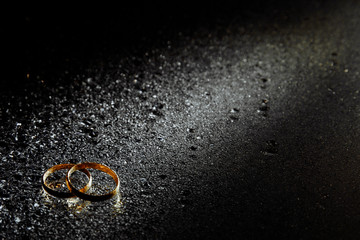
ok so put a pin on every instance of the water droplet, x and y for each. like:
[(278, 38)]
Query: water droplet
[(17, 219), (234, 110), (193, 148), (191, 130)]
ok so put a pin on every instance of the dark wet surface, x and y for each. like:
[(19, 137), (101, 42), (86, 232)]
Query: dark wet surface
[(235, 122)]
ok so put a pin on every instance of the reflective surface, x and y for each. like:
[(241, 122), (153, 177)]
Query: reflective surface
[(246, 125)]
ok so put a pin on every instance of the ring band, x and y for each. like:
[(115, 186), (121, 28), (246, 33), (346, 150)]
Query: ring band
[(94, 198), (63, 194)]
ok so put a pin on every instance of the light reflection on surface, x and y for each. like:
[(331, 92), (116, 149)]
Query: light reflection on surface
[(78, 206), (118, 206)]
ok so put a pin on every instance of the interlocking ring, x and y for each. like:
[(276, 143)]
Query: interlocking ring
[(63, 194), (82, 192), (83, 195)]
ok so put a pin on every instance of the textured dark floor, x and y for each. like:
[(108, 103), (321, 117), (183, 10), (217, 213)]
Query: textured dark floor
[(231, 122)]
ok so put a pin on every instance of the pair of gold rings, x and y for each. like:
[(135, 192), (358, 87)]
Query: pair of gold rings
[(81, 193)]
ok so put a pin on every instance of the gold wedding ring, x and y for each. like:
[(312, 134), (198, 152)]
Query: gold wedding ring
[(63, 194), (81, 194)]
